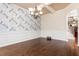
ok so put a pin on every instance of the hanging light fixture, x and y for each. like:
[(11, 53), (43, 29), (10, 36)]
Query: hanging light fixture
[(36, 11)]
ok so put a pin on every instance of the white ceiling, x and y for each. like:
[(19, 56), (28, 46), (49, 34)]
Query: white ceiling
[(50, 7)]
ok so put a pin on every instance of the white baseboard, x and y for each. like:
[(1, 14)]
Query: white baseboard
[(59, 35), (16, 37)]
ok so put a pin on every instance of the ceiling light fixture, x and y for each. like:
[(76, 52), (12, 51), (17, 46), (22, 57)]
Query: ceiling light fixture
[(36, 11)]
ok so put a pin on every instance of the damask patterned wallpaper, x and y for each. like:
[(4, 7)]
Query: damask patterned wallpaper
[(15, 18)]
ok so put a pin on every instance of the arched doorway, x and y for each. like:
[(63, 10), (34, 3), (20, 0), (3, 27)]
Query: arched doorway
[(72, 28)]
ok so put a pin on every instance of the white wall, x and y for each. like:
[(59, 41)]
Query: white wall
[(8, 38), (55, 25), (16, 25)]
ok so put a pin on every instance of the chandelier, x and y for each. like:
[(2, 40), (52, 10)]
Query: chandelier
[(36, 11)]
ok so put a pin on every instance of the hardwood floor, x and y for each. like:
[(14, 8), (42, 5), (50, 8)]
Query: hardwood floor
[(38, 47)]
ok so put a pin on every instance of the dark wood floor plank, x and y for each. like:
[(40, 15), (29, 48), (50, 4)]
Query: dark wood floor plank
[(37, 47)]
